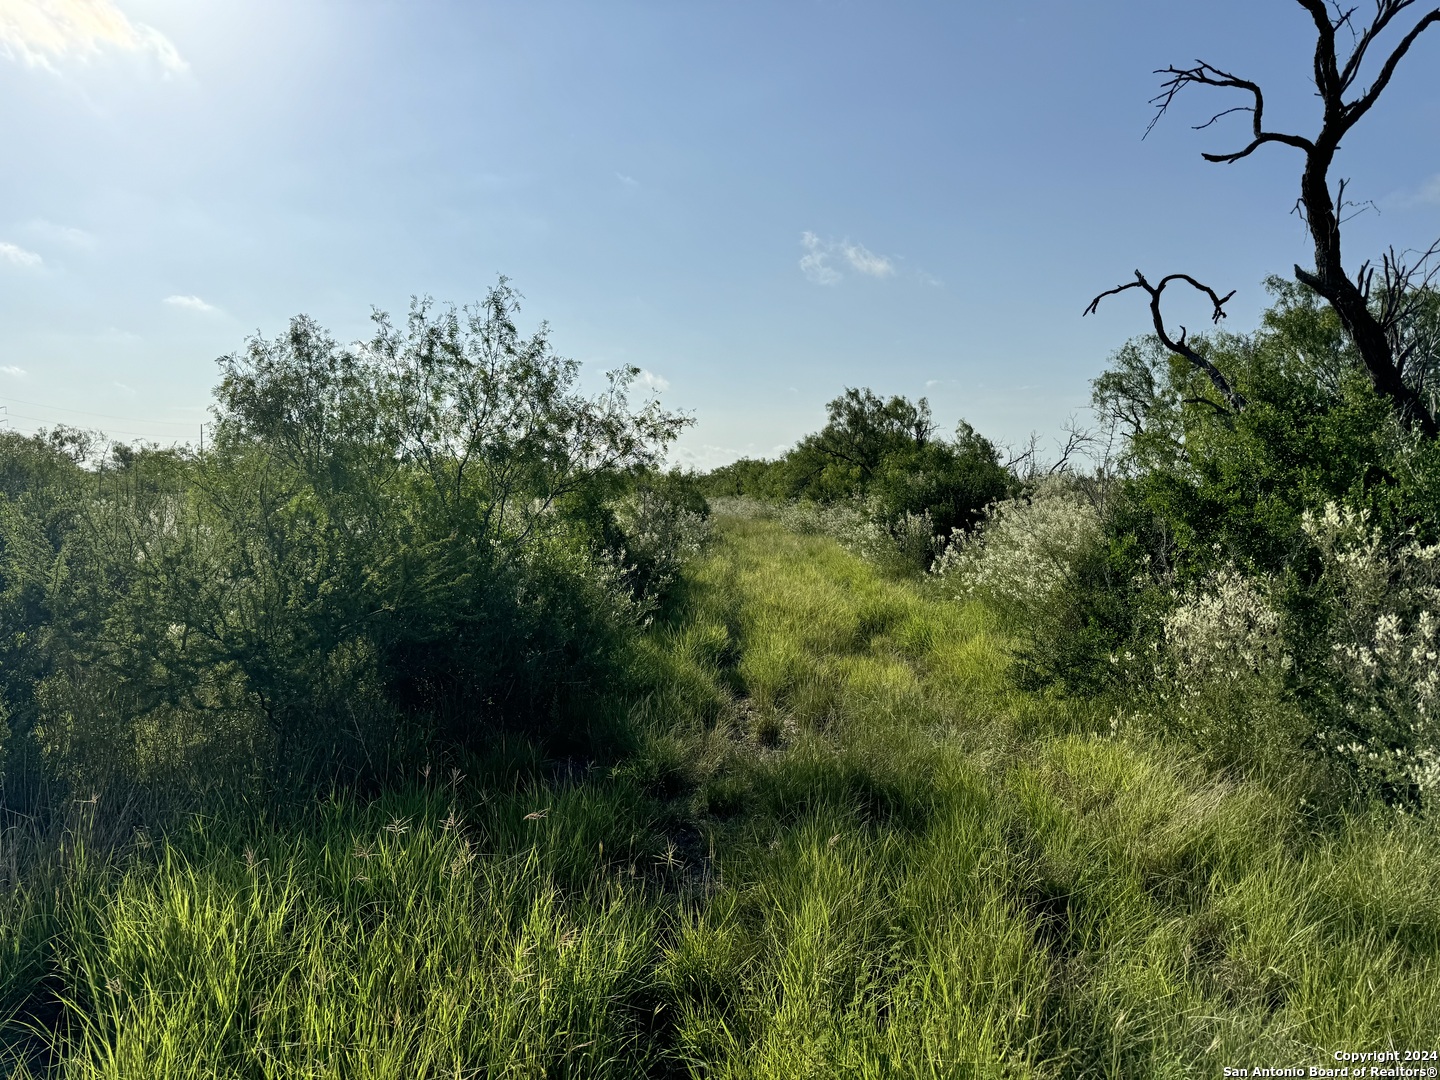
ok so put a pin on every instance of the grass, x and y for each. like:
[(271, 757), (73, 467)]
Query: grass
[(845, 847)]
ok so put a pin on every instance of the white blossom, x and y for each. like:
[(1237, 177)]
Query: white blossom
[(1027, 551)]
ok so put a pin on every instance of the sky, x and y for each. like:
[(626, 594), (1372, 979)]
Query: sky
[(756, 202)]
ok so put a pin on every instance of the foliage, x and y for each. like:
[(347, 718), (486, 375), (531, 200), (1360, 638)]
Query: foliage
[(658, 535), (862, 432), (1222, 679), (950, 482), (1314, 431), (858, 832), (386, 543), (1029, 550), (1377, 688)]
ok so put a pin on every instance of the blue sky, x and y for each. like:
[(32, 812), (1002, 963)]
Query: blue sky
[(757, 203)]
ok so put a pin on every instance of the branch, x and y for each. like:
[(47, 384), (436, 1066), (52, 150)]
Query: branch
[(1342, 204), (1260, 140), (1180, 346), (1376, 333), (1022, 462), (1361, 105), (1211, 402), (1076, 440), (1387, 11), (1204, 74), (1226, 112)]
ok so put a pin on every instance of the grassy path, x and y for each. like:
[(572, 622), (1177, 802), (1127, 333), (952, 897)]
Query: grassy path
[(843, 847)]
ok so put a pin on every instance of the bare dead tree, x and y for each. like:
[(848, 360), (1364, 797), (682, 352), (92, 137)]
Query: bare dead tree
[(1378, 328), (1022, 462), (1027, 464), (1181, 345), (1078, 441)]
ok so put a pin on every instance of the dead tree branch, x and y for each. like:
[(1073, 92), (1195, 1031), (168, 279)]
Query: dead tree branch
[(1204, 74), (1078, 441), (1181, 345), (1022, 462)]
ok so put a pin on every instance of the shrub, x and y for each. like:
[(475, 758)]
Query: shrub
[(385, 544), (658, 534), (1072, 594), (1344, 672), (947, 483), (1377, 691), (1027, 553), (1232, 488), (1221, 679)]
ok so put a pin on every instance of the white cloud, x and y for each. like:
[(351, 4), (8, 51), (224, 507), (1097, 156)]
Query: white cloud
[(815, 263), (655, 382), (628, 181), (190, 303), (39, 31), (13, 371), (864, 261), (823, 258), (18, 256), (706, 456)]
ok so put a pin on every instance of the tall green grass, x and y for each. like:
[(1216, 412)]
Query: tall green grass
[(845, 847)]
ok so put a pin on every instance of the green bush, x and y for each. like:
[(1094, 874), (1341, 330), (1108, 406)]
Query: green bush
[(658, 533), (385, 545), (1228, 487), (1374, 688), (950, 482), (1223, 675)]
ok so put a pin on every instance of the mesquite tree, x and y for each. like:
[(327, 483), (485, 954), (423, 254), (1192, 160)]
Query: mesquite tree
[(1378, 314)]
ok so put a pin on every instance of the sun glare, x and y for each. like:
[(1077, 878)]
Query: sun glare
[(40, 32)]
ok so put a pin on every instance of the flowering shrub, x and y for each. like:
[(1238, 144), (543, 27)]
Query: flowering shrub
[(1380, 695), (1221, 674), (1225, 633), (1047, 566), (1027, 553), (845, 521), (1358, 688), (912, 537), (658, 535)]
